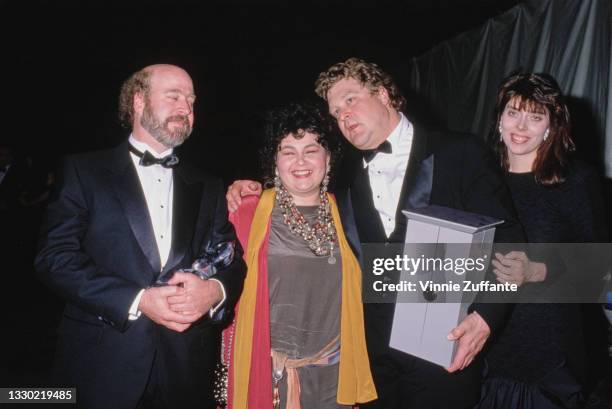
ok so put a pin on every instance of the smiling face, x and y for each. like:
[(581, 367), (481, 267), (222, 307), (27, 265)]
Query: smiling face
[(365, 119), (302, 163), (165, 113), (523, 127)]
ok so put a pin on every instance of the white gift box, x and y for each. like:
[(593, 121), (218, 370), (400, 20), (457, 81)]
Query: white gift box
[(420, 326)]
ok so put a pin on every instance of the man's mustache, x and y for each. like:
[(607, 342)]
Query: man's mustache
[(177, 118)]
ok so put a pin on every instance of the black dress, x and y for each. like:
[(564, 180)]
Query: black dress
[(538, 359)]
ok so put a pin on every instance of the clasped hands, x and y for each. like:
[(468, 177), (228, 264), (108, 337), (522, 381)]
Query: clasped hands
[(182, 302)]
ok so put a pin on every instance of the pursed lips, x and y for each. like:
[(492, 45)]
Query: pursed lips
[(351, 127)]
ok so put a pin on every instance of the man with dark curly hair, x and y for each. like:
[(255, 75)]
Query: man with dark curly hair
[(399, 165), (121, 220)]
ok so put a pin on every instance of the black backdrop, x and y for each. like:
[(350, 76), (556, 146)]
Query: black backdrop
[(63, 62)]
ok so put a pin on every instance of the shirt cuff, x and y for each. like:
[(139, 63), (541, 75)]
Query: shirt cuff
[(214, 309), (134, 312)]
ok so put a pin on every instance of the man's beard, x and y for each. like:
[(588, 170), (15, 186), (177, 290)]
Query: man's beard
[(161, 130)]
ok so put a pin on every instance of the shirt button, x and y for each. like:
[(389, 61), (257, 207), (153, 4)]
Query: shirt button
[(161, 235), (378, 196), (159, 180), (162, 206)]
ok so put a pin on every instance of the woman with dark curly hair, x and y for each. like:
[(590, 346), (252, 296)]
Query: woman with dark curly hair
[(301, 304), (537, 361)]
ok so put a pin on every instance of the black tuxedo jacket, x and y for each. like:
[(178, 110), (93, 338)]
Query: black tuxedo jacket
[(445, 169), (98, 250)]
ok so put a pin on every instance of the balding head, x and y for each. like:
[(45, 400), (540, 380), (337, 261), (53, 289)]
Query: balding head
[(162, 69)]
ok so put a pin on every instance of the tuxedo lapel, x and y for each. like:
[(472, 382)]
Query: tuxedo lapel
[(418, 153), (129, 191), (185, 203), (367, 219), (418, 181)]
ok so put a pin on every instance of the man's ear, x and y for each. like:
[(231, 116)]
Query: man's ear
[(139, 102), (383, 95)]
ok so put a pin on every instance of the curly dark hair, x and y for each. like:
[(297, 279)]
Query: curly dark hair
[(368, 74), (538, 93), (140, 81), (296, 118)]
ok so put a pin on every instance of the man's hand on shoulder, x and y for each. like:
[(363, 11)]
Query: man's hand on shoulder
[(238, 189), (154, 304), (198, 297), (471, 333)]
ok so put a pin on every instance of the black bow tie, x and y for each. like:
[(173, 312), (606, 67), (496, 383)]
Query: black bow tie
[(147, 159), (384, 147)]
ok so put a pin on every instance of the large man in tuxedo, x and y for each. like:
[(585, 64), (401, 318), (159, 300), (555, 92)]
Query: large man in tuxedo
[(404, 165), (401, 165), (120, 219)]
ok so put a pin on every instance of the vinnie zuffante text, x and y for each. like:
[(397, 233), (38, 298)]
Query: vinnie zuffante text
[(416, 267)]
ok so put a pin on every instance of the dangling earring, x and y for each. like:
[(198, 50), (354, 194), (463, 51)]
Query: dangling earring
[(277, 181), (325, 182), (501, 138), (546, 133)]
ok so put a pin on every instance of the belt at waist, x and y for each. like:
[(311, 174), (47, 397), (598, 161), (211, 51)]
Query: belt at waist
[(328, 355)]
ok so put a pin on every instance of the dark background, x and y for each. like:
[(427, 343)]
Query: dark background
[(63, 63)]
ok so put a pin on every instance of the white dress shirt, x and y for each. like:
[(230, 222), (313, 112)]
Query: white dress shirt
[(386, 172), (156, 182)]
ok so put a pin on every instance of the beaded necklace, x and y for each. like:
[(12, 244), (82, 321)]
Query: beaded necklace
[(321, 236)]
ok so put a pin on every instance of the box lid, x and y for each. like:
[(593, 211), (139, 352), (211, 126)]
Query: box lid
[(452, 218)]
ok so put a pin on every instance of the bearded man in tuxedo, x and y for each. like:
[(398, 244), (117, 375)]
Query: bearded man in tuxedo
[(120, 219)]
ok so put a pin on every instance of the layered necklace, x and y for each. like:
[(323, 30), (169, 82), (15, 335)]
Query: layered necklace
[(321, 236)]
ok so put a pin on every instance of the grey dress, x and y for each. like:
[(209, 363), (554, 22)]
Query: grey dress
[(305, 296)]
